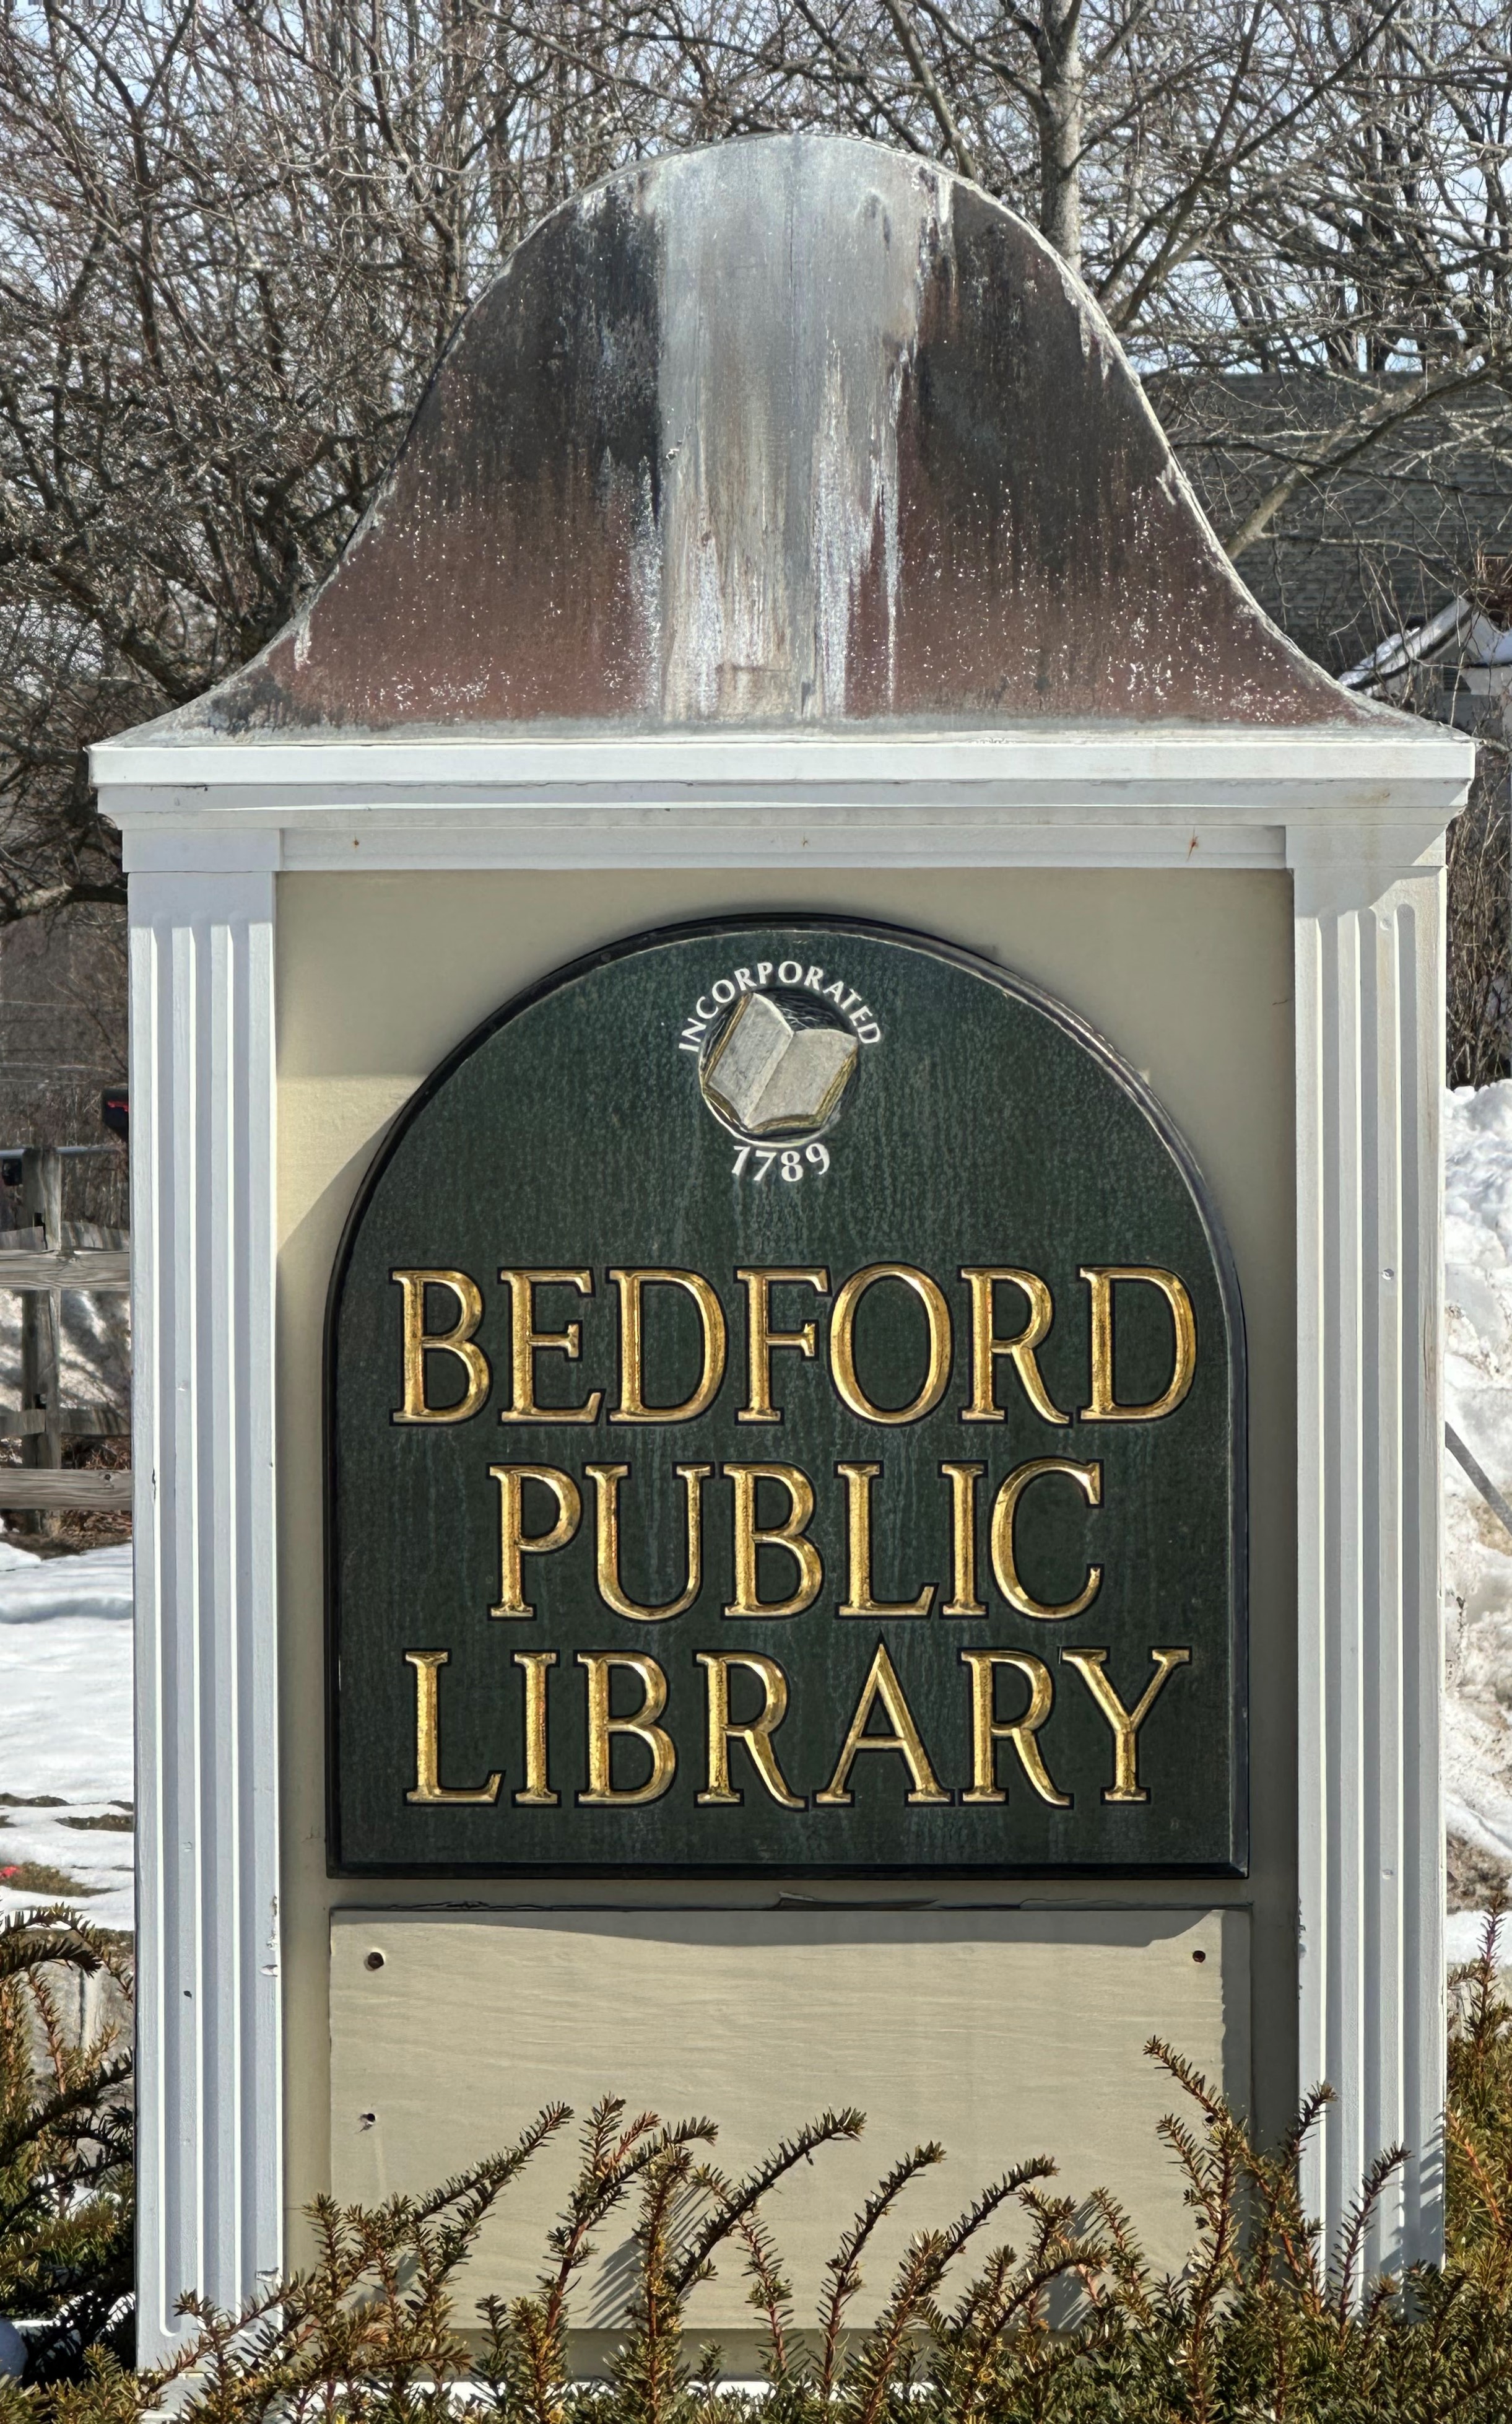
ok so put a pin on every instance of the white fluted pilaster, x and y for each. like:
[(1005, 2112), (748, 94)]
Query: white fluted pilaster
[(1369, 957), (208, 1994)]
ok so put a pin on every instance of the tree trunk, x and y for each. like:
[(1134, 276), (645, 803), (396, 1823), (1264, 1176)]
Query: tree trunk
[(1062, 87)]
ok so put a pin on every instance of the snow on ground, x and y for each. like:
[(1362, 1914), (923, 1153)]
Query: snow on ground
[(65, 1622), (65, 1727), (95, 1342), (1478, 1404)]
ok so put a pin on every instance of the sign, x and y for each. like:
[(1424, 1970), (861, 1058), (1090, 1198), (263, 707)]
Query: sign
[(786, 1411)]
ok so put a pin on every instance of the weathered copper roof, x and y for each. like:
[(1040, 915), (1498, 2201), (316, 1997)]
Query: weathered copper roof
[(792, 430)]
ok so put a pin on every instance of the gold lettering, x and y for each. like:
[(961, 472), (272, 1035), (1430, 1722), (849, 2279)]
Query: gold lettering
[(757, 1736), (882, 1685), (986, 1349), (963, 1479), (429, 1792), (988, 1729), (606, 1479), (1088, 1480), (418, 1342), (859, 1601), (632, 1407), (1125, 1723), (1104, 1406), (790, 1536), (538, 1793), (761, 1338), (842, 1349), (515, 1541), (526, 1342), (602, 1793)]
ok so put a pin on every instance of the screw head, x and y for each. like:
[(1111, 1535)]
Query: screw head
[(374, 1961)]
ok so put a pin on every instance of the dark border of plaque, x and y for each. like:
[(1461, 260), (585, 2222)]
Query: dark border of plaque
[(1134, 1086)]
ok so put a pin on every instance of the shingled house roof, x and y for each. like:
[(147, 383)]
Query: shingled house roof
[(1379, 548), (794, 431)]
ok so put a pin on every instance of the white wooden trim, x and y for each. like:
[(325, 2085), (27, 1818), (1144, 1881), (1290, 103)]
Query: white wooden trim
[(1358, 817), (758, 835), (210, 2090), (1396, 762), (1025, 797), (1030, 797), (1369, 956)]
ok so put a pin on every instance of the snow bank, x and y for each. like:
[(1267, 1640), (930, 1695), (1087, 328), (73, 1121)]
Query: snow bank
[(1478, 1403), (66, 1724), (95, 1345)]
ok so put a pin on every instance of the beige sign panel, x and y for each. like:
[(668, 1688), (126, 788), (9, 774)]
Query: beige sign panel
[(1002, 2034)]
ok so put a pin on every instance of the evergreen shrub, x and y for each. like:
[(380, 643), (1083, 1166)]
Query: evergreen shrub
[(65, 2148), (1029, 2310)]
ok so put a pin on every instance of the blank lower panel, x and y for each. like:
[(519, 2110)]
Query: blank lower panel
[(1001, 2033)]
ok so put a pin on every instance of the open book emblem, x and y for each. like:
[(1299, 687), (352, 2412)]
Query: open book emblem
[(770, 1073)]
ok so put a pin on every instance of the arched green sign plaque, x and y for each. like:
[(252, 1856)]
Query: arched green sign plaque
[(786, 1413)]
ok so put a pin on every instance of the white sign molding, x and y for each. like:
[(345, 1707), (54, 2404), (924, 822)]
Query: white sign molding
[(1359, 818)]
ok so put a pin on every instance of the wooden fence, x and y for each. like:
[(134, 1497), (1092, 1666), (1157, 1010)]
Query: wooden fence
[(40, 1260)]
